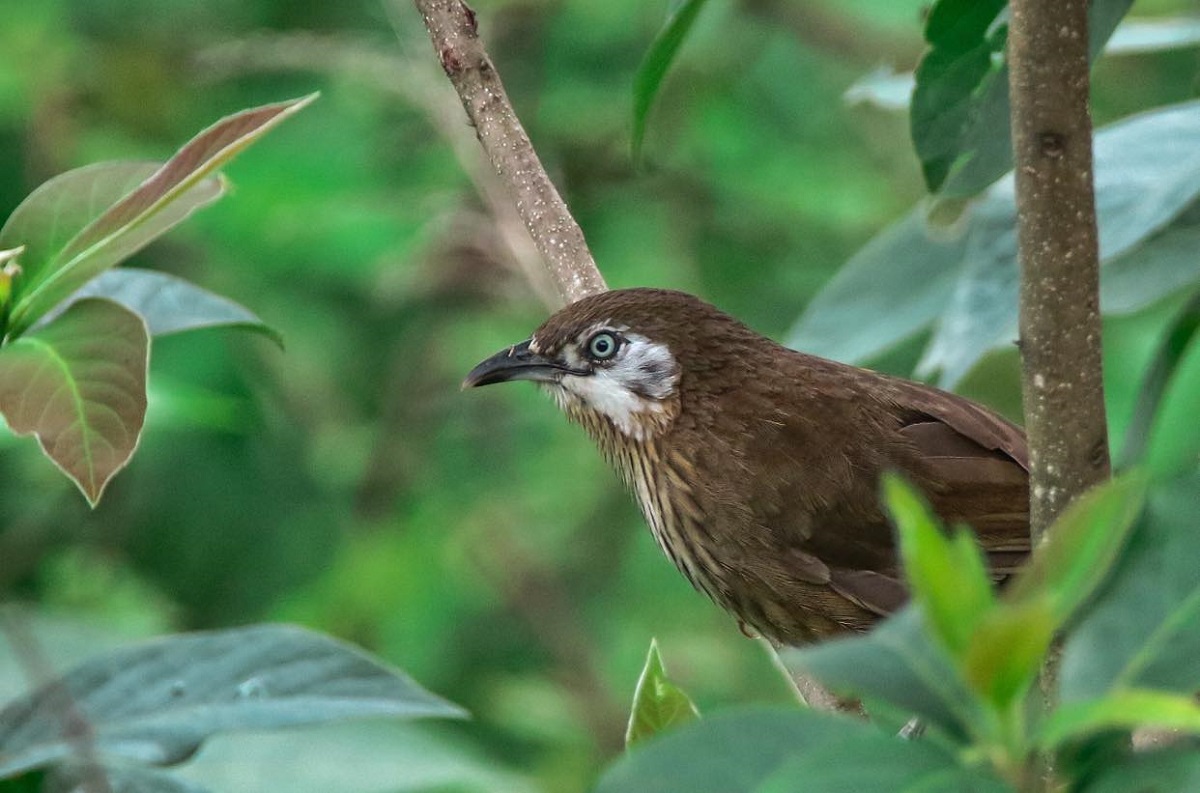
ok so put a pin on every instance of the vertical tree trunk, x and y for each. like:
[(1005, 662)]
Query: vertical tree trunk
[(1060, 281)]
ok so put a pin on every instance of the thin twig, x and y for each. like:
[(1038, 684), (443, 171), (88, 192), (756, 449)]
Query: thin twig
[(452, 28), (59, 702)]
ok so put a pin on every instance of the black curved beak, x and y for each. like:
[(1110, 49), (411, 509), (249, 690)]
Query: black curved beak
[(517, 362)]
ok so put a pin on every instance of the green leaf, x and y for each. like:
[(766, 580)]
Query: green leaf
[(79, 384), (892, 288), (73, 778), (879, 762), (1007, 649), (1147, 174), (658, 704), (1138, 36), (1163, 365), (1166, 771), (157, 702), (1081, 547), (160, 202), (947, 576), (658, 60), (66, 204), (960, 107), (169, 304), (1126, 709), (1164, 264), (755, 749), (897, 663), (1143, 630), (1174, 443)]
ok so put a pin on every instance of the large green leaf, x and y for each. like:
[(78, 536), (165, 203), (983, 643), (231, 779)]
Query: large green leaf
[(658, 704), (770, 749), (76, 778), (79, 384), (166, 197), (893, 287), (960, 106), (896, 663), (879, 762), (157, 702), (658, 60), (1143, 631), (964, 278), (1147, 171), (169, 304)]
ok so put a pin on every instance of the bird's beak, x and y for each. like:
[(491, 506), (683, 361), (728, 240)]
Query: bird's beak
[(515, 363)]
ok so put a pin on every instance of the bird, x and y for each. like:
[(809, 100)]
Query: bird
[(757, 467)]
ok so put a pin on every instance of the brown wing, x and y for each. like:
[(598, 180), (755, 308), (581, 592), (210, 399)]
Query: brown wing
[(973, 466), (970, 462)]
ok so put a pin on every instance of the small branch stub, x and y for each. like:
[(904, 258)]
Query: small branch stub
[(453, 30)]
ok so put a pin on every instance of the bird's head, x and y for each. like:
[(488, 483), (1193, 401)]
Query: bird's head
[(613, 360)]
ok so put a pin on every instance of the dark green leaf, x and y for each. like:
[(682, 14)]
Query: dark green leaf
[(1081, 547), (658, 704), (1143, 631), (1169, 771), (1175, 341), (1174, 444), (658, 60), (165, 198), (79, 384), (169, 304), (1126, 709), (897, 663), (947, 576), (960, 108), (157, 702)]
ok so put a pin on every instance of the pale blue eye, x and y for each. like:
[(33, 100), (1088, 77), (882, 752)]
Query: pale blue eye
[(602, 346)]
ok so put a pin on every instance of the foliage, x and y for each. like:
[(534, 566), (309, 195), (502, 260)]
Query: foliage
[(476, 540), (78, 380), (967, 673), (155, 704)]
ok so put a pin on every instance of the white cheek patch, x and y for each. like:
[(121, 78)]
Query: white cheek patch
[(630, 389)]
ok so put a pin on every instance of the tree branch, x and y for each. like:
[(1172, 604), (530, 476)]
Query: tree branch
[(452, 28), (1057, 240)]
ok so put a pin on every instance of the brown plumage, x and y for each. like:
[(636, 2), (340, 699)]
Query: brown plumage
[(757, 467)]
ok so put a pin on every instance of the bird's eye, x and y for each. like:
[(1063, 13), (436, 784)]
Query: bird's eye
[(602, 346)]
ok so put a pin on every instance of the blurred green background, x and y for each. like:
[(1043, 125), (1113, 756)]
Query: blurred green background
[(474, 539)]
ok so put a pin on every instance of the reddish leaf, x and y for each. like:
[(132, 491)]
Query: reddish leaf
[(79, 384), (164, 199)]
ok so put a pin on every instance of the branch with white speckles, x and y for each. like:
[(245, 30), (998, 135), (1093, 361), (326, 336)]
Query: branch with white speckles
[(452, 28), (1060, 270)]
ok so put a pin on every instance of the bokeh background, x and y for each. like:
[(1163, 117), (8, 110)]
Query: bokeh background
[(474, 539)]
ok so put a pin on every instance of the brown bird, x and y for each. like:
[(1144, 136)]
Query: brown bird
[(757, 467)]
